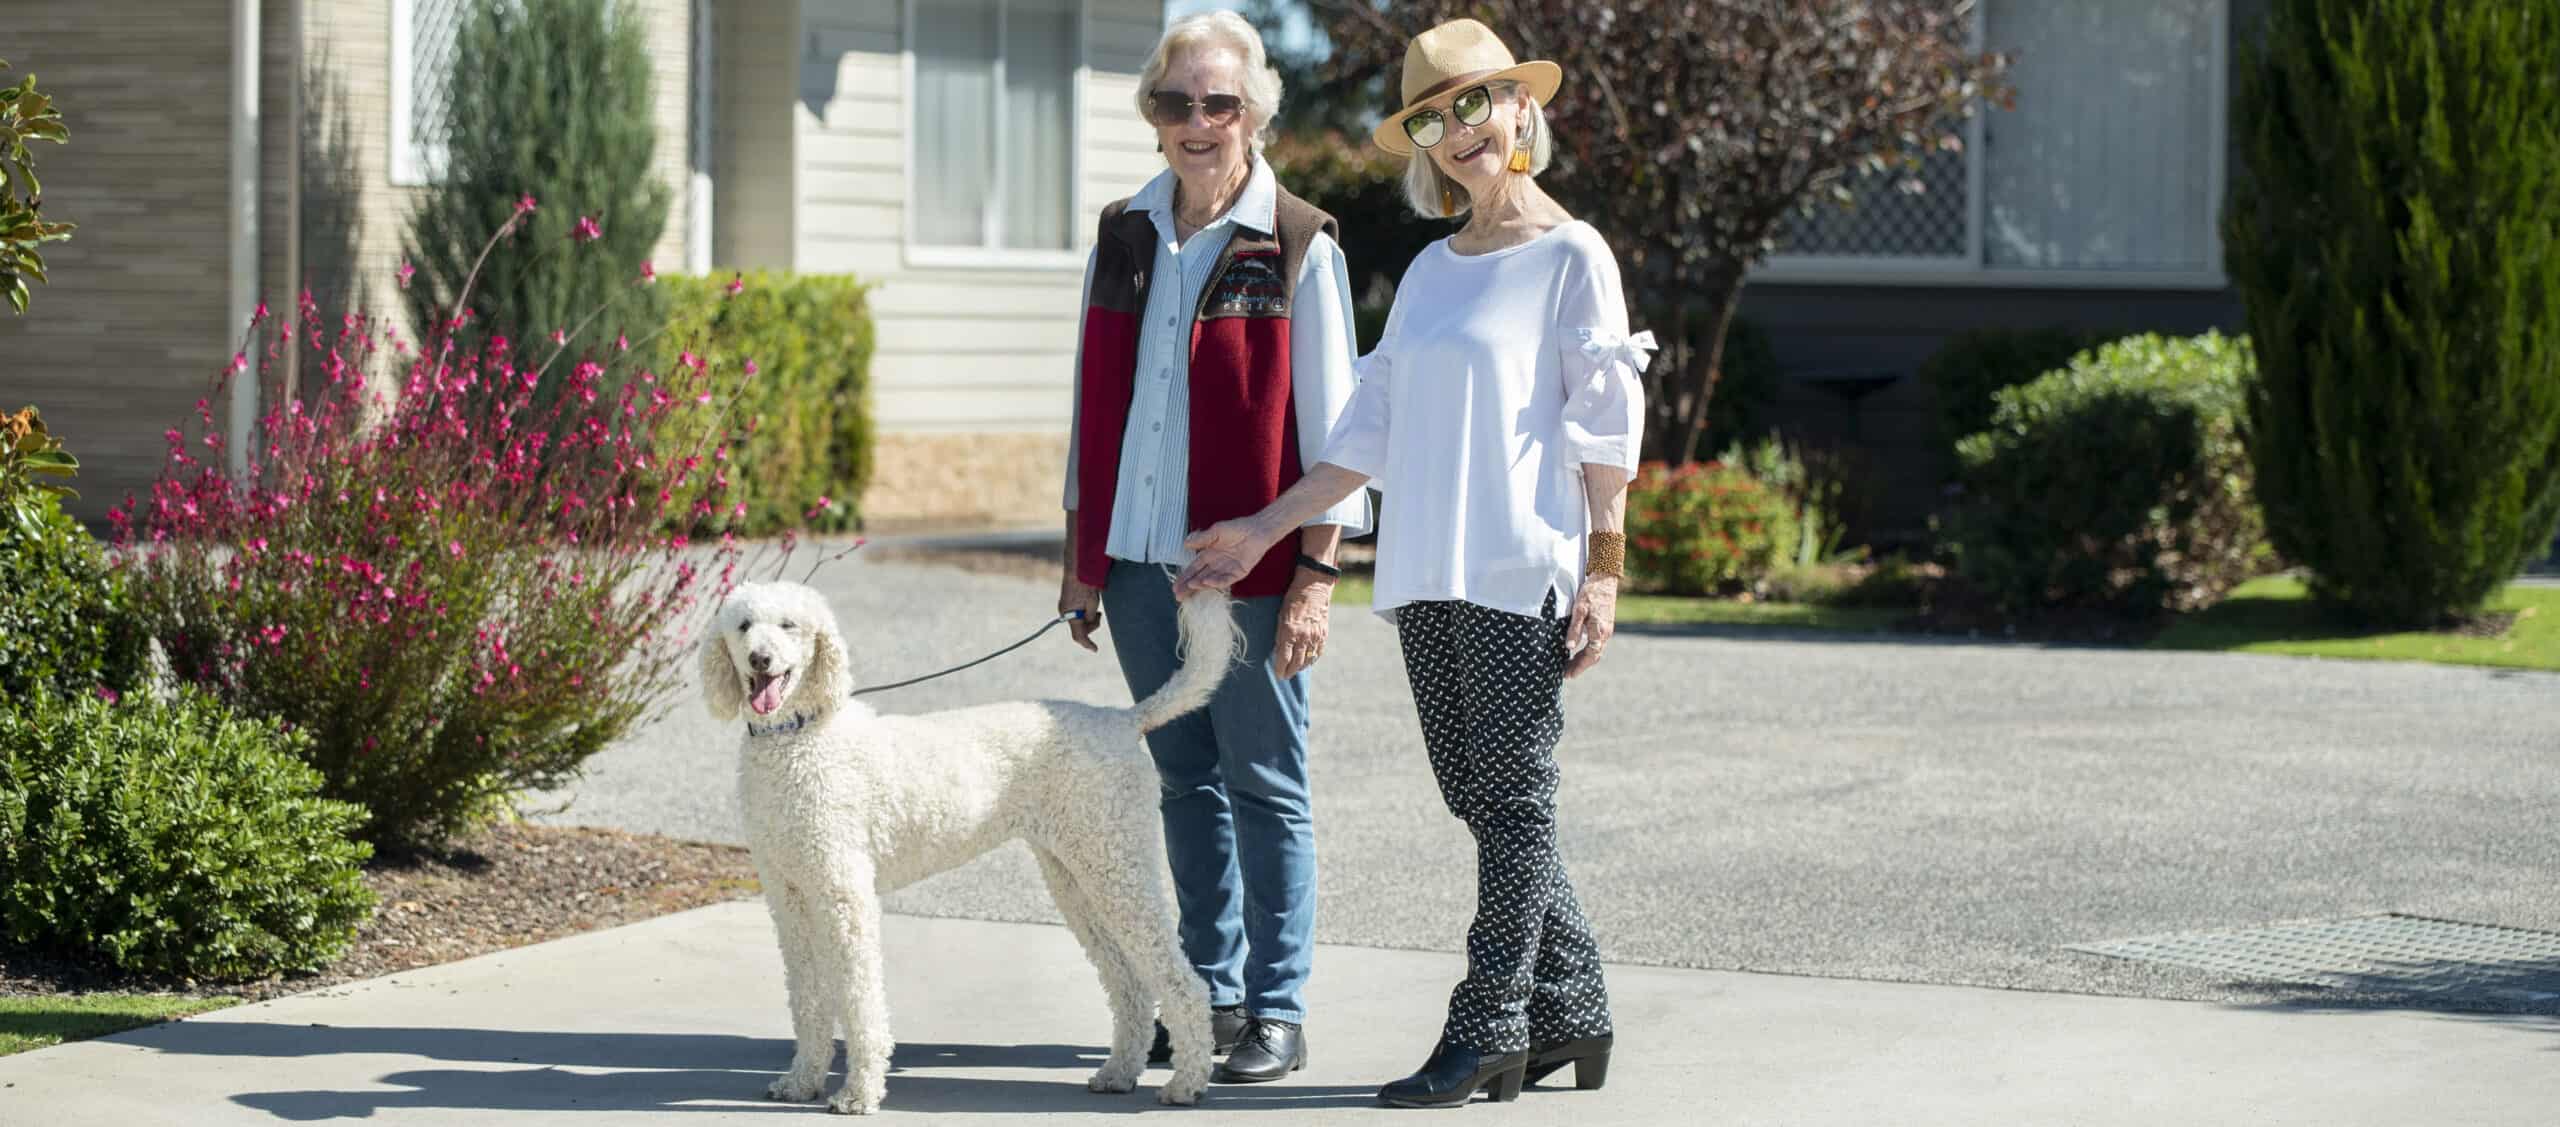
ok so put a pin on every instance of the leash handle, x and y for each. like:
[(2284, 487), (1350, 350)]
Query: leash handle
[(1052, 624)]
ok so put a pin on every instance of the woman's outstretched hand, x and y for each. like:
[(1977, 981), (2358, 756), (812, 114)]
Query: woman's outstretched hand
[(1221, 555)]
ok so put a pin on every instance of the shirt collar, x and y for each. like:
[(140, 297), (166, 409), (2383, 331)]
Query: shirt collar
[(1256, 208)]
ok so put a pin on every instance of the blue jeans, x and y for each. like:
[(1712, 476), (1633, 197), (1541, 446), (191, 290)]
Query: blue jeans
[(1236, 823)]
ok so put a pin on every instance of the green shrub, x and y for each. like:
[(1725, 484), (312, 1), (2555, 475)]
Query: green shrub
[(809, 401), (171, 839), (2115, 484), (2396, 240), (1968, 371), (1704, 528), (550, 110), (65, 621), (1816, 486)]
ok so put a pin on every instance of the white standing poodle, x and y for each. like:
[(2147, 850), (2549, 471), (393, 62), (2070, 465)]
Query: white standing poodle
[(844, 804)]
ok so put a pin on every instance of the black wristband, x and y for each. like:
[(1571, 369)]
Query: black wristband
[(1319, 566)]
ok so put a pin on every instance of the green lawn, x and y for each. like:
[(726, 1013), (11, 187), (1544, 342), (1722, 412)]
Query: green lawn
[(1677, 610), (2271, 616), (2275, 616), (33, 1022)]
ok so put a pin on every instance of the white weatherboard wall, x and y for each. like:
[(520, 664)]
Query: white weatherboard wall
[(961, 347), (974, 360)]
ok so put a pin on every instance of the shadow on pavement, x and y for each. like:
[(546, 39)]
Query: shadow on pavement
[(2318, 1002), (671, 1072)]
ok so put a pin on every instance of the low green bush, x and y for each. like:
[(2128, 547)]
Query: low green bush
[(2118, 483), (65, 623), (171, 838), (808, 456), (1816, 483), (1704, 528), (1969, 371)]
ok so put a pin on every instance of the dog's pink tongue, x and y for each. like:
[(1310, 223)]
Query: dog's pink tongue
[(768, 697)]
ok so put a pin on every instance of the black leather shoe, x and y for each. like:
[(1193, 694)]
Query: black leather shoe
[(1269, 1051), (1454, 1074), (1226, 1027), (1589, 1057)]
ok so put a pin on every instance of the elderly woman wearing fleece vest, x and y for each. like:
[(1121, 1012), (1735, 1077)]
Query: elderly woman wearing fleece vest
[(1216, 357), (1501, 413)]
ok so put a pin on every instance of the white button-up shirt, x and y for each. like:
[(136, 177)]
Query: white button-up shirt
[(1151, 511), (1498, 378)]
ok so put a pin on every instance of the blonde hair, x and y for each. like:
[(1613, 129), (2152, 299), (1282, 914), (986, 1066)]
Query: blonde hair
[(1425, 186), (1261, 91)]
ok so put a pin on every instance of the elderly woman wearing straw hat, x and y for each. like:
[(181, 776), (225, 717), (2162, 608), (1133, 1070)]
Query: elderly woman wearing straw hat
[(1216, 356), (1501, 414)]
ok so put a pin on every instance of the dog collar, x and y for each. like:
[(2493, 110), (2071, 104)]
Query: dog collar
[(798, 721)]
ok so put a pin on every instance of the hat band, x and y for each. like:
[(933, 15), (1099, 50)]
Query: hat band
[(1448, 84)]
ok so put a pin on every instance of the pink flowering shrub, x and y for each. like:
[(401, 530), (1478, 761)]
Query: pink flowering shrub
[(456, 588)]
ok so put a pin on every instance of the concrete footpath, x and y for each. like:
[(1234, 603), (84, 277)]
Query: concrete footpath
[(681, 1019)]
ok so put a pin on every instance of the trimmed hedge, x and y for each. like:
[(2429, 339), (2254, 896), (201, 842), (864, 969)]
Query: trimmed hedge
[(66, 621), (809, 403), (2118, 483), (1970, 371), (173, 839)]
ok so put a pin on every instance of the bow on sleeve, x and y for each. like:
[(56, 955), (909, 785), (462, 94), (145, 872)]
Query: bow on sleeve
[(1603, 346)]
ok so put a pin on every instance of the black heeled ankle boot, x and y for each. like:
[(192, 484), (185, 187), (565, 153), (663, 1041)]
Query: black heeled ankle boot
[(1454, 1074), (1589, 1057)]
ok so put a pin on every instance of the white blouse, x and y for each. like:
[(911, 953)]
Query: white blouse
[(1498, 376)]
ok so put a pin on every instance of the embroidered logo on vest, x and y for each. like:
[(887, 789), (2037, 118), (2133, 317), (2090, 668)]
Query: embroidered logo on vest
[(1251, 287)]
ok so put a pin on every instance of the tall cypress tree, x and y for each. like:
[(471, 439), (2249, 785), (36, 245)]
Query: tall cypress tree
[(550, 99), (2395, 235)]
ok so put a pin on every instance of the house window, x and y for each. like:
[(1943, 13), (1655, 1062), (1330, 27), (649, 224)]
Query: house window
[(422, 34), (994, 130), (2108, 172)]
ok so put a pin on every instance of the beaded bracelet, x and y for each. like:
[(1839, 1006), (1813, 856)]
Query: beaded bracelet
[(1608, 554)]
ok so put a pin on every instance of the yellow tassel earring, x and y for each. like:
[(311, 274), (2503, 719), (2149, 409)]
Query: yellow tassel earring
[(1520, 151), (1448, 201)]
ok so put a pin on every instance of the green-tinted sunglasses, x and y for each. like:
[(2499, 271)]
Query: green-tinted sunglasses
[(1426, 127)]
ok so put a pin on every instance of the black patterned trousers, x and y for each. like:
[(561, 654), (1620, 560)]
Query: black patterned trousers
[(1489, 686)]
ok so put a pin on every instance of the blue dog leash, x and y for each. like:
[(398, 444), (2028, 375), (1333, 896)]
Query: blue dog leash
[(1067, 616)]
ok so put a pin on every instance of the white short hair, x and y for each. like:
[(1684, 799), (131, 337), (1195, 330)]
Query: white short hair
[(1218, 29), (1425, 185)]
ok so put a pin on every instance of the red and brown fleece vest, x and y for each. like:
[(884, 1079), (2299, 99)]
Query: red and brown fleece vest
[(1244, 434)]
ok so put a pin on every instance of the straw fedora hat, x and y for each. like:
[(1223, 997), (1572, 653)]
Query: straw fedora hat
[(1454, 56)]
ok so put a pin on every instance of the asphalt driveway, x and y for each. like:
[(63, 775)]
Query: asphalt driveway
[(1870, 807)]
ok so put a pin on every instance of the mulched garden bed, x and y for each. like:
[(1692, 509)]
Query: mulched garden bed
[(506, 886)]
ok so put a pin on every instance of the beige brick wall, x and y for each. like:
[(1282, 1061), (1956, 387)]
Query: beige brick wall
[(133, 326)]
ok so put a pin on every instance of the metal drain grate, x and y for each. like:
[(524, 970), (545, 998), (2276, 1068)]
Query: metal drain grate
[(2409, 956)]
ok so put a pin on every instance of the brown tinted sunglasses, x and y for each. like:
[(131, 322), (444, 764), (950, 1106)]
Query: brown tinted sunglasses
[(1173, 107)]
